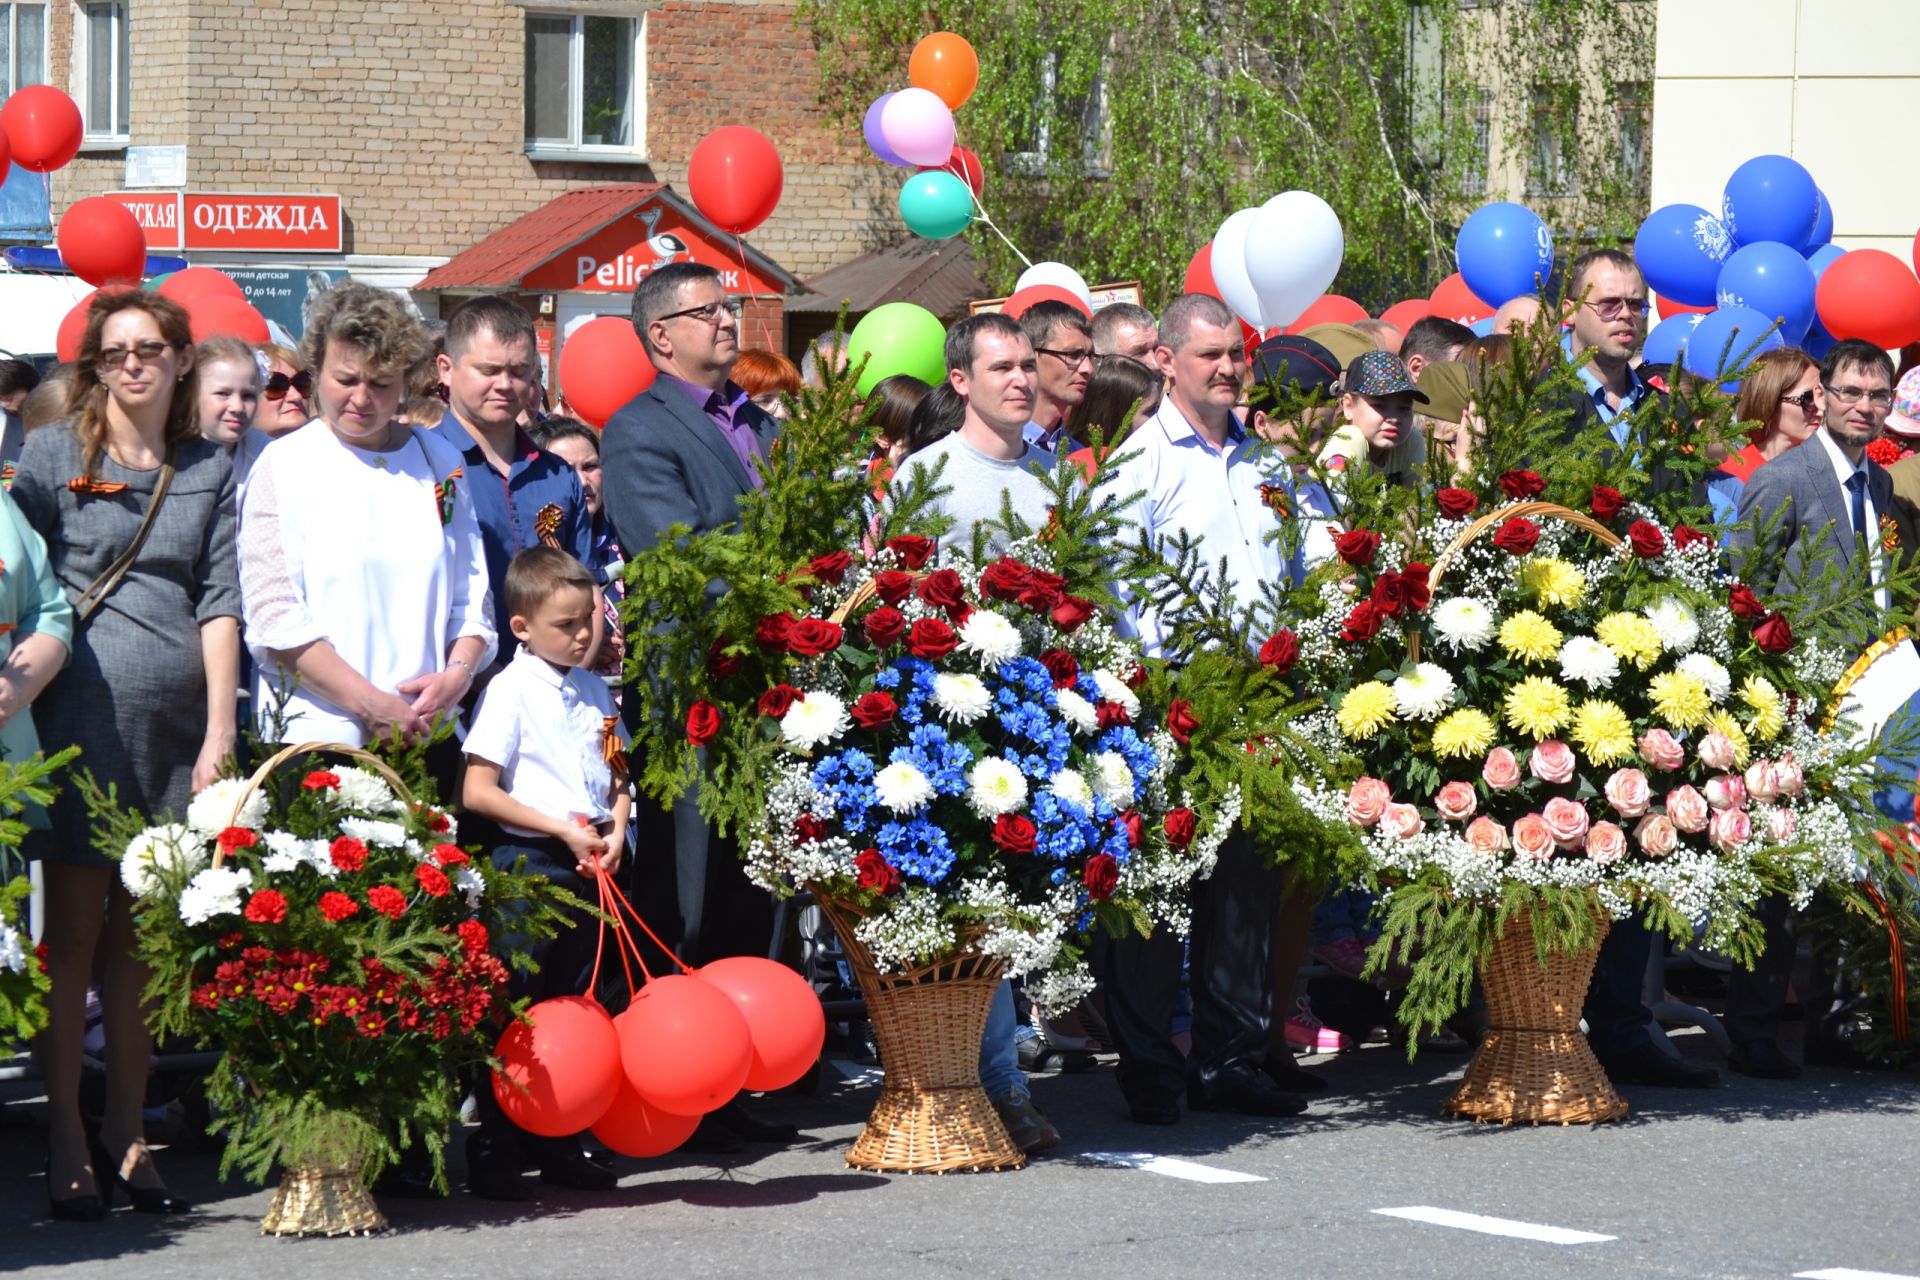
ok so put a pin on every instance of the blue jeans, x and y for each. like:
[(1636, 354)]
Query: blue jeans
[(1000, 1072), (1343, 913)]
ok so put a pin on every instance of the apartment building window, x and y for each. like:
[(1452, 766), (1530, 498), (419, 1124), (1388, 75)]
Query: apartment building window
[(1633, 112), (23, 46), (1476, 155), (586, 86), (102, 55), (1551, 171), (1094, 115)]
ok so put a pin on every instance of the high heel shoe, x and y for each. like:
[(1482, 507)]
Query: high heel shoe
[(143, 1199), (82, 1208)]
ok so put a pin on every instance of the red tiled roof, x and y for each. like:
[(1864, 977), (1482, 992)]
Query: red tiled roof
[(503, 258)]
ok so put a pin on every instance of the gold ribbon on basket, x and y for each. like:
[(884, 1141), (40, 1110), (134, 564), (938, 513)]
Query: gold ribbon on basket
[(259, 776)]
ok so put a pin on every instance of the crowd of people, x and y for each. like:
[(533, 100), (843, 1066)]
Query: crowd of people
[(385, 528)]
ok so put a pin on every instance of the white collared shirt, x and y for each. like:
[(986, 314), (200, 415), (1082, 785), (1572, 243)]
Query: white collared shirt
[(545, 729), (1218, 497), (1843, 470)]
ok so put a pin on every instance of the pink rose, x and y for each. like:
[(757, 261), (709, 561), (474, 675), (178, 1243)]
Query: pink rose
[(1501, 771), (1781, 824), (1606, 842), (1402, 821), (1763, 781), (1532, 839), (1662, 750), (1716, 751), (1688, 809), (1627, 792), (1486, 837), (1729, 827), (1656, 835), (1726, 791), (1787, 775), (1456, 801), (1566, 821), (1552, 761), (1367, 801)]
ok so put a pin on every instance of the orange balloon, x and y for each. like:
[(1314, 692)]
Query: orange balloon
[(944, 64)]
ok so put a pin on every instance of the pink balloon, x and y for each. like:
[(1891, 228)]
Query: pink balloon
[(918, 127)]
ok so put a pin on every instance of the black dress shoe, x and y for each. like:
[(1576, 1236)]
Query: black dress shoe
[(1650, 1066), (80, 1208), (1829, 1052), (1243, 1090), (1762, 1059), (1154, 1110), (570, 1168), (1290, 1077), (734, 1119), (143, 1199), (493, 1172), (712, 1139)]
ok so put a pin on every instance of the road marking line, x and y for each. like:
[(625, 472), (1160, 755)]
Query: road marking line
[(1494, 1226), (858, 1073), (1848, 1273), (1167, 1166)]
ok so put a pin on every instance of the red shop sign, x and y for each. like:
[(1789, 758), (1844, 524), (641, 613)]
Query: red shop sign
[(157, 212), (251, 221), (618, 257)]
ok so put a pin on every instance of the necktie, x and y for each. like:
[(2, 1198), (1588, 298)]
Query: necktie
[(1857, 487)]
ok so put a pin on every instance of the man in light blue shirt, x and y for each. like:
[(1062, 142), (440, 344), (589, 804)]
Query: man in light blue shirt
[(1610, 320)]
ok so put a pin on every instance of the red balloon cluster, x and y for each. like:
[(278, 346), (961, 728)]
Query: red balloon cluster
[(1199, 277), (101, 242), (735, 178), (602, 366), (42, 127), (964, 165), (192, 282), (1869, 293), (1401, 315), (218, 315)]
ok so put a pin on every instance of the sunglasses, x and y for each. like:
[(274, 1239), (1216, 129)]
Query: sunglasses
[(1804, 400), (277, 385)]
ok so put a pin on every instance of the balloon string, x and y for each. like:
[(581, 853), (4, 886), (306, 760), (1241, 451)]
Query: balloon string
[(600, 943), (746, 274), (983, 217), (621, 938), (644, 928)]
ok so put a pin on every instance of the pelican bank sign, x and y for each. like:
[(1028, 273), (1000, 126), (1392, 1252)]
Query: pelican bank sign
[(241, 222), (620, 255)]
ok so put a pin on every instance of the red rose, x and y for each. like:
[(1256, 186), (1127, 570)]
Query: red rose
[(1181, 722), (1517, 536), (1363, 623), (235, 838), (1061, 666), (1102, 876), (1397, 594), (433, 880), (337, 906), (1773, 635), (1419, 593), (321, 780), (1606, 502), (440, 822), (1043, 591), (808, 829), (1521, 485), (268, 906), (387, 900), (774, 631), (1111, 715), (1136, 827), (1358, 547), (1014, 833), (1685, 535), (911, 551), (812, 637), (703, 722), (893, 585), (931, 639), (449, 855), (1646, 538), (473, 936), (874, 710), (1455, 503), (1744, 603), (1004, 579), (1136, 678), (1280, 651), (777, 701), (722, 665), (347, 853), (830, 567), (944, 590), (1180, 827), (884, 626), (875, 872), (1071, 612)]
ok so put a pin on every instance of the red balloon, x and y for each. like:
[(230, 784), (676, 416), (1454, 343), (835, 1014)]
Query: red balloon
[(735, 178), (6, 148), (964, 165), (215, 315), (1403, 314), (566, 1059), (1869, 293), (603, 366), (101, 242), (1015, 306), (193, 282), (635, 1127), (73, 327), (784, 1017), (1329, 308), (685, 1045), (1670, 307), (1249, 338), (1457, 302), (1200, 272), (43, 127)]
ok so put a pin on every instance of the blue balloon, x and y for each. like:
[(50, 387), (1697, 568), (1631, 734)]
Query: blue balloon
[(1505, 251), (1822, 258), (1680, 248), (1482, 327), (1666, 340), (1822, 224), (1774, 280), (1725, 342), (1818, 341), (1771, 198)]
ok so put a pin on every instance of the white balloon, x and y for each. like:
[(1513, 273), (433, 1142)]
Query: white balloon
[(1058, 274), (1294, 245), (1230, 268)]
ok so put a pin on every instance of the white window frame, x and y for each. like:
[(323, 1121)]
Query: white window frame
[(1096, 127), (110, 138), (573, 148), (1551, 170), (7, 86)]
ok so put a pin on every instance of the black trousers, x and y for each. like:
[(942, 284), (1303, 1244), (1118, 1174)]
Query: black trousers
[(690, 885), (1617, 1015)]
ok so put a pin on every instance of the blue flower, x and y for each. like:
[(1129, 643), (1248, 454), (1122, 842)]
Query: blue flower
[(848, 778), (917, 848)]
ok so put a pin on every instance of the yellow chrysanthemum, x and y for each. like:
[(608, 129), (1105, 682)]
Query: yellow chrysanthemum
[(1466, 734), (1631, 636), (1537, 706), (1603, 732), (1769, 713), (1723, 721), (1554, 582), (1680, 699), (1530, 637), (1366, 710)]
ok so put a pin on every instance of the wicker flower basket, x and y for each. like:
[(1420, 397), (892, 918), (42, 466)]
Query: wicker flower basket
[(932, 1116)]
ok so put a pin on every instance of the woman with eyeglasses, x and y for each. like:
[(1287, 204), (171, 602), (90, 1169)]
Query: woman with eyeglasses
[(1782, 396), (286, 395), (137, 512)]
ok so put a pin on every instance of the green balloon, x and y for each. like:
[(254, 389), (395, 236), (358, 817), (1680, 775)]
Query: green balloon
[(898, 337), (935, 204), (154, 283)]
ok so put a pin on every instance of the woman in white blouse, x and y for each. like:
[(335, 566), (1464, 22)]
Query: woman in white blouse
[(360, 558)]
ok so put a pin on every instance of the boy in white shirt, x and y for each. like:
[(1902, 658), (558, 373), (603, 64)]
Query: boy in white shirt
[(546, 763)]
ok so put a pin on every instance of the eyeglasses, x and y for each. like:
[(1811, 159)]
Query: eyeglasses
[(278, 384), (143, 352), (1609, 307), (1881, 400), (709, 314), (1804, 401), (1071, 359)]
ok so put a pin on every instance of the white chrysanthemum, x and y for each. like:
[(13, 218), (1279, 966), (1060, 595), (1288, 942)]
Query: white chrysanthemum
[(213, 892), (1076, 711), (1464, 623), (990, 635), (1678, 625), (995, 786), (1708, 672), (1114, 689), (387, 835), (816, 719), (285, 852), (1113, 780), (1586, 660), (1424, 694), (902, 788), (319, 854), (961, 696), (364, 791), (168, 845), (1068, 784), (470, 882), (13, 949), (211, 810)]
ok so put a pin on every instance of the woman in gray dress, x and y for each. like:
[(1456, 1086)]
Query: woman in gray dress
[(148, 695)]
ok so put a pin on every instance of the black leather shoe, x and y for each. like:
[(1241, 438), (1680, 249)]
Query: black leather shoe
[(572, 1169), (734, 1119), (80, 1208), (1828, 1052), (493, 1173), (143, 1199), (1762, 1059), (1154, 1110), (711, 1139), (1245, 1091), (1290, 1077), (1647, 1065)]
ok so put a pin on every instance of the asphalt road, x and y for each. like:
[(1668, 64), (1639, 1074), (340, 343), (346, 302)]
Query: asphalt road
[(1751, 1179)]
